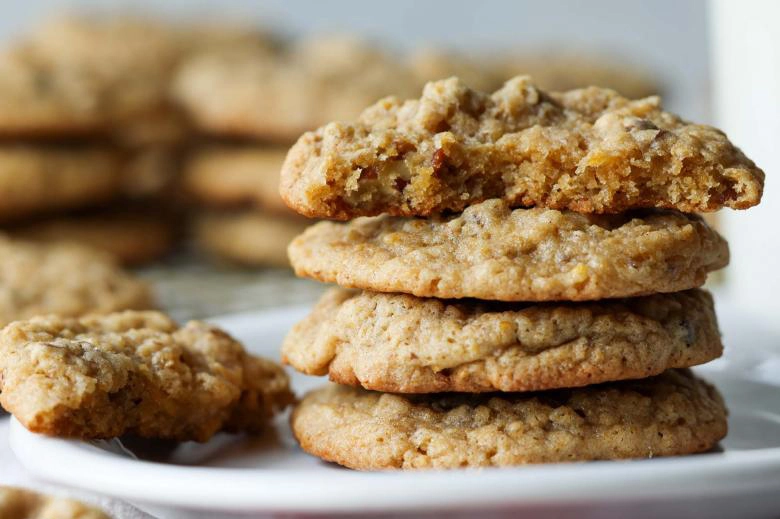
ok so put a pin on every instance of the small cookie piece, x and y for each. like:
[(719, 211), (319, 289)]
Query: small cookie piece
[(36, 180), (588, 150), (139, 373), (133, 238), (252, 239), (404, 344), (18, 503), (236, 176), (276, 96), (64, 279), (671, 414), (495, 253)]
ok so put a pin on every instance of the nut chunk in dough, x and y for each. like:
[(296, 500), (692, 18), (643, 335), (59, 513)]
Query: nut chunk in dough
[(138, 373)]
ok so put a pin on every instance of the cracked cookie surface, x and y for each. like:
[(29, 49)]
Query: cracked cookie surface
[(495, 253), (587, 150), (672, 414), (404, 344), (139, 373)]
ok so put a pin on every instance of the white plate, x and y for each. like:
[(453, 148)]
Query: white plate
[(242, 475)]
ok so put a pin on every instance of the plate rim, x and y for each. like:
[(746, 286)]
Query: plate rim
[(267, 489)]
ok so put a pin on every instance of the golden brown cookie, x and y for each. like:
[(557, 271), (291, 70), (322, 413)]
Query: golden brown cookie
[(41, 99), (587, 150), (44, 179), (139, 373), (18, 503), (64, 279), (277, 96), (671, 414), (133, 238), (404, 344), (248, 238), (492, 252), (236, 176)]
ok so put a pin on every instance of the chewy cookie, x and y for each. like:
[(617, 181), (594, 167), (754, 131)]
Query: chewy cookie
[(671, 414), (102, 376), (236, 176), (248, 238), (588, 150), (404, 344), (18, 503), (64, 279), (495, 253), (44, 179)]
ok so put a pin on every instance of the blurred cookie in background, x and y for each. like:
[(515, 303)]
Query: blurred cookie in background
[(134, 237), (64, 279), (231, 176), (41, 179), (275, 97), (19, 503), (247, 238)]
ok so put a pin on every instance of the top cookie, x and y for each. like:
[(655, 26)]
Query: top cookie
[(587, 150)]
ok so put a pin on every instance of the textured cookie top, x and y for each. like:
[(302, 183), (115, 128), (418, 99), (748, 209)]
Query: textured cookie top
[(278, 96), (64, 279), (673, 413), (236, 176), (134, 372), (588, 150), (492, 252), (404, 344), (18, 503)]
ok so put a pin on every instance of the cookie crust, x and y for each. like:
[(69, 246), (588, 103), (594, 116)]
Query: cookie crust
[(587, 150), (494, 253), (137, 373), (671, 414), (403, 344)]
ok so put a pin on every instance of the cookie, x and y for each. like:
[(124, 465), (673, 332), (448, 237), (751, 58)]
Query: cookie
[(42, 99), (493, 252), (37, 180), (671, 414), (64, 279), (130, 59), (588, 150), (252, 239), (18, 503), (403, 344), (132, 238), (139, 373), (277, 96), (235, 176)]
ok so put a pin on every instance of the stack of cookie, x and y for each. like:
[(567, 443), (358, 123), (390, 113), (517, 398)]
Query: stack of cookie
[(522, 285), (81, 102)]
